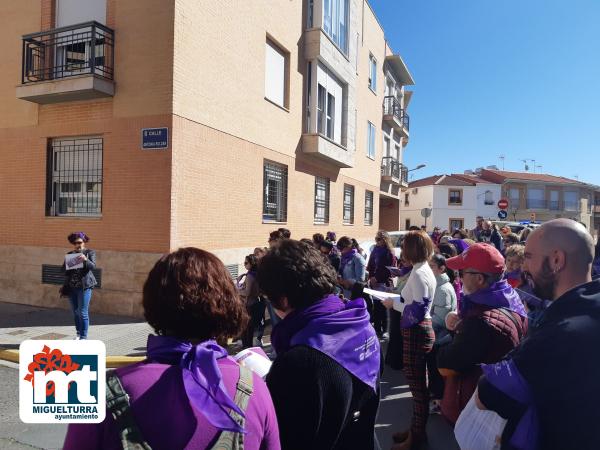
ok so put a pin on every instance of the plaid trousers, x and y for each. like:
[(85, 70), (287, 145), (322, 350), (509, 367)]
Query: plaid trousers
[(418, 341)]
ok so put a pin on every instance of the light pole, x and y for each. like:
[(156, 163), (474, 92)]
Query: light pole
[(420, 166)]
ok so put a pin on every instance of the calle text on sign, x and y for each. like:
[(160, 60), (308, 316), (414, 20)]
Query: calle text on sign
[(155, 138)]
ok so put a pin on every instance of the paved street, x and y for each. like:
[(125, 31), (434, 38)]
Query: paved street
[(125, 336)]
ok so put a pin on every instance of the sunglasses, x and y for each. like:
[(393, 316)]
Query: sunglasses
[(78, 243)]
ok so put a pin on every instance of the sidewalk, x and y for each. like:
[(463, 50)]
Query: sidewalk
[(123, 336)]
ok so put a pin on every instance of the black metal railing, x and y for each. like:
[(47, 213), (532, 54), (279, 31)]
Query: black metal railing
[(391, 107), (391, 167), (86, 48)]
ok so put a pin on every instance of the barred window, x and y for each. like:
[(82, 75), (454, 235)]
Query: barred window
[(74, 181), (348, 204), (321, 200), (368, 207), (275, 192)]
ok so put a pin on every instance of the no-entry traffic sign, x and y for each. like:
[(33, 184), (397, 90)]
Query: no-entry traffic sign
[(503, 204)]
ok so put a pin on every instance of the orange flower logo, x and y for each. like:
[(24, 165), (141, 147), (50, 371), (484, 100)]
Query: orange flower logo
[(48, 361)]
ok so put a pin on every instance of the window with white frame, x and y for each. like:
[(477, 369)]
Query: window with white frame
[(336, 19), (368, 207), (348, 204), (489, 198), (74, 177), (322, 200), (372, 73), (275, 192), (571, 201), (370, 140), (275, 74), (329, 104)]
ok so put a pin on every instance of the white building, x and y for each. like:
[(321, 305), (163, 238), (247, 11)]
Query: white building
[(455, 201)]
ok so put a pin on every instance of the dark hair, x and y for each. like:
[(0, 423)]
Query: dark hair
[(308, 241), (462, 233), (297, 271), (597, 252), (331, 236), (344, 242), (414, 228), (318, 238), (447, 249), (285, 233), (417, 247), (356, 245), (253, 261), (78, 235), (189, 294), (276, 235), (326, 244), (439, 260)]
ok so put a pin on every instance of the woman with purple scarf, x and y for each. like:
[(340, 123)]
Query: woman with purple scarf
[(188, 393), (353, 268), (491, 322), (325, 379)]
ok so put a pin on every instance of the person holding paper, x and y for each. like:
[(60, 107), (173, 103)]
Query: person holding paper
[(417, 333), (79, 281), (380, 278), (352, 266), (188, 393), (325, 379)]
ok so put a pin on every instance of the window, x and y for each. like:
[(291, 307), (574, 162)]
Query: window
[(329, 105), (311, 12), (455, 196), (321, 109), (406, 201), (74, 177), (321, 200), (489, 198), (372, 73), (514, 198), (276, 70), (554, 202), (456, 224), (275, 192), (571, 200), (536, 198), (406, 224), (335, 22), (368, 207), (370, 140), (330, 115), (348, 204)]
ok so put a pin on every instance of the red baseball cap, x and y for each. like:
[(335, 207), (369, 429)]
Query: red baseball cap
[(481, 257)]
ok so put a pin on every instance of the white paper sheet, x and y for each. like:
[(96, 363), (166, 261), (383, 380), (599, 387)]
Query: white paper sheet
[(381, 295), (477, 429), (255, 359), (72, 261)]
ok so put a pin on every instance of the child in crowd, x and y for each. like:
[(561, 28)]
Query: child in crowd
[(515, 257)]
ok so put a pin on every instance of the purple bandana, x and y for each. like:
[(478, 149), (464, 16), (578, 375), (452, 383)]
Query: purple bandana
[(505, 377), (340, 330), (347, 258), (498, 295), (201, 377), (460, 245)]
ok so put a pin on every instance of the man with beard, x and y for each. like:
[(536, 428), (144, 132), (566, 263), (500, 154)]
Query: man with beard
[(490, 322), (548, 388)]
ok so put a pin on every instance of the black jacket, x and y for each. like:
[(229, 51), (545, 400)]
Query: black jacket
[(87, 276), (319, 404), (560, 362)]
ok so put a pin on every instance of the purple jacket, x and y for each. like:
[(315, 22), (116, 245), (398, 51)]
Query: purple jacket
[(166, 419)]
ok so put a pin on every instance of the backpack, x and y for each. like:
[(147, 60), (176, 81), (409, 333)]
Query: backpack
[(117, 403)]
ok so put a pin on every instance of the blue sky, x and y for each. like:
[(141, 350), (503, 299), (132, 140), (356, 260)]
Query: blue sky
[(519, 78)]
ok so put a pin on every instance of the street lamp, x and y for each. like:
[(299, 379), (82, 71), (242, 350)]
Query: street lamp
[(420, 166)]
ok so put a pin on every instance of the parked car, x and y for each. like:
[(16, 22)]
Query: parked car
[(516, 227), (397, 238)]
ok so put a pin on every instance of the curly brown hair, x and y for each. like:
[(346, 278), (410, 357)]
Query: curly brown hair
[(189, 294)]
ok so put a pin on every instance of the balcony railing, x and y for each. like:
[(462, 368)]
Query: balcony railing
[(391, 167), (86, 48), (536, 204), (391, 107), (552, 205)]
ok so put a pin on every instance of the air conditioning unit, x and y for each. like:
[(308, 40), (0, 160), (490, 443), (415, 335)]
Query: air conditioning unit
[(415, 190)]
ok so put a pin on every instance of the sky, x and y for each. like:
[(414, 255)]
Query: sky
[(519, 78)]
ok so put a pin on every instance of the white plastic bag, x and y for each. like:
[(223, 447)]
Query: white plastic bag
[(478, 430)]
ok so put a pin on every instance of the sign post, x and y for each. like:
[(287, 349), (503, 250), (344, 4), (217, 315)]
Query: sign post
[(426, 212)]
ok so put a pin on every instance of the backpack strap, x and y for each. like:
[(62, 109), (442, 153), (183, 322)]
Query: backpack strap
[(230, 440), (117, 402)]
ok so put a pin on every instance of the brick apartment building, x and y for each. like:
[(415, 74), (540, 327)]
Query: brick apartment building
[(166, 123)]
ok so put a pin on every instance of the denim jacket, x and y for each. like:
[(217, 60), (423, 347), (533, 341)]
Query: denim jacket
[(355, 271)]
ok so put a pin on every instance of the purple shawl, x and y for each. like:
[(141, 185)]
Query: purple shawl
[(460, 245), (498, 295), (340, 330), (201, 377), (346, 259), (505, 377)]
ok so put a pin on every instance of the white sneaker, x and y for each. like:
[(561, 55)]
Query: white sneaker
[(76, 338)]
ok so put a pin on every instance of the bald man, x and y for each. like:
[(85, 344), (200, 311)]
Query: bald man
[(552, 380)]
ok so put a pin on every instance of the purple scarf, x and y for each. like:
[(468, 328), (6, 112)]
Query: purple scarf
[(346, 259), (340, 330), (460, 245), (201, 377), (505, 377), (498, 295)]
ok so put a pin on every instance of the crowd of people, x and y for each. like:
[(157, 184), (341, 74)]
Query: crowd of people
[(510, 321)]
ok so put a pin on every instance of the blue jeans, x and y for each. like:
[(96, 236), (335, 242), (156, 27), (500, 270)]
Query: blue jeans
[(80, 304)]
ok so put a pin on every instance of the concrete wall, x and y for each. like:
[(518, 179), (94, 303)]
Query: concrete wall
[(488, 211)]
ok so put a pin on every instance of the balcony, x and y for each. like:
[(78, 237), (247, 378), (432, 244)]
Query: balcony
[(552, 205), (67, 64), (393, 171), (395, 116), (327, 150)]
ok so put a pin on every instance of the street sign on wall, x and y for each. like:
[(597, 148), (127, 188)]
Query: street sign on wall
[(155, 138), (502, 214), (503, 203)]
